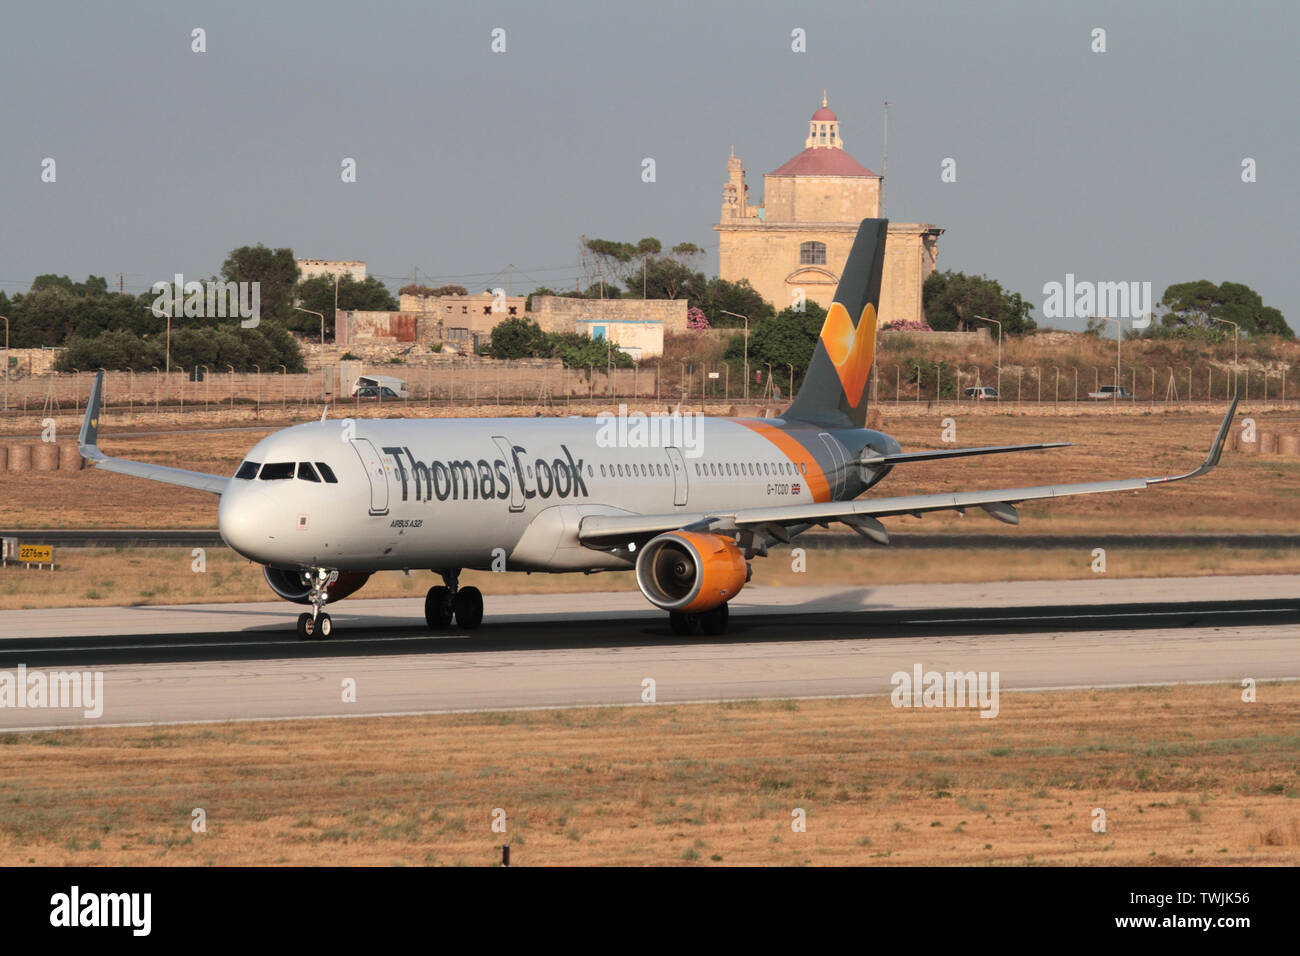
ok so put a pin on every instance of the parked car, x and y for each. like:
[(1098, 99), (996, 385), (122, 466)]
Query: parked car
[(381, 392), (981, 392), (1112, 391)]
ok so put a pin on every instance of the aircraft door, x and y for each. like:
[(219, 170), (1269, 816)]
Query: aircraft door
[(838, 463), (376, 471), (517, 482), (681, 487)]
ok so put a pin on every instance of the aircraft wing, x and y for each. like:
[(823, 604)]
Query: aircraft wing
[(779, 521), (906, 456), (87, 443)]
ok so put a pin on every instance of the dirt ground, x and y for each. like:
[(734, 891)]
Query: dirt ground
[(1185, 775)]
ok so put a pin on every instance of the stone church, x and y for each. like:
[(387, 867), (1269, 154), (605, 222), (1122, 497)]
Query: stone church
[(799, 236)]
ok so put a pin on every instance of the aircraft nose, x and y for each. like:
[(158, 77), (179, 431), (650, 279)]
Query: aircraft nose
[(245, 518)]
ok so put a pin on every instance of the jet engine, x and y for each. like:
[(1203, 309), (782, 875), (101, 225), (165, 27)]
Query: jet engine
[(293, 585), (689, 572)]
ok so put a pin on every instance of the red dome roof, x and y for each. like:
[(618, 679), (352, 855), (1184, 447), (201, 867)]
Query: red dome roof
[(824, 115), (815, 161)]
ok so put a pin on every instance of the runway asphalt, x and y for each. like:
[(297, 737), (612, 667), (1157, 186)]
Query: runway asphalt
[(243, 661)]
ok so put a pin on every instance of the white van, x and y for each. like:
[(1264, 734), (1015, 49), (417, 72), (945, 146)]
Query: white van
[(379, 382)]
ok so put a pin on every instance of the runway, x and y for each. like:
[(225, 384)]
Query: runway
[(242, 661)]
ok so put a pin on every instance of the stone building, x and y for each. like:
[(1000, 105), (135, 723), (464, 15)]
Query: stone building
[(799, 237), (311, 268), (466, 321)]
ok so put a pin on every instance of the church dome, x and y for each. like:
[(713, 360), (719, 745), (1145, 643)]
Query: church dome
[(824, 115)]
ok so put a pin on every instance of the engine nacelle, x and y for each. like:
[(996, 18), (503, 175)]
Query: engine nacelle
[(690, 572), (293, 585)]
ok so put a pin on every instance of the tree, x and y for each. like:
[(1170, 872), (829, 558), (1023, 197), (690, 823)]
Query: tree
[(412, 289), (1197, 304), (516, 338), (722, 296), (274, 269), (666, 278), (317, 294), (951, 301), (788, 338)]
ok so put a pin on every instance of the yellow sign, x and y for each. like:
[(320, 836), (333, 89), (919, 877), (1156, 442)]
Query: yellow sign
[(36, 553)]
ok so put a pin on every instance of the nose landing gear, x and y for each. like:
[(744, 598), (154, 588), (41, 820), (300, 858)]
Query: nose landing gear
[(316, 625), (449, 600)]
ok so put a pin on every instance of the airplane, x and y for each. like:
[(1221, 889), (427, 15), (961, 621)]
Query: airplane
[(322, 506)]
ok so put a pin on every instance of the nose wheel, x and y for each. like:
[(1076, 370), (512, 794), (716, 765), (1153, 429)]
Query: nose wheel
[(449, 600), (316, 628), (316, 624)]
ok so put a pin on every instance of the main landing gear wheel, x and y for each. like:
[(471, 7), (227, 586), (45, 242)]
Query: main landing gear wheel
[(316, 628), (711, 622), (714, 622), (438, 609), (683, 624), (468, 605)]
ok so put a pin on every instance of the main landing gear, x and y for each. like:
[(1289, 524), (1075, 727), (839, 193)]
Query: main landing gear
[(711, 622), (449, 600), (316, 625)]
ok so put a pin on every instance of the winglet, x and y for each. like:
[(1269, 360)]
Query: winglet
[(1216, 447), (88, 440)]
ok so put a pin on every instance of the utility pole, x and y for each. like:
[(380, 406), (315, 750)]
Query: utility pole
[(746, 318), (884, 161), (999, 325), (6, 318)]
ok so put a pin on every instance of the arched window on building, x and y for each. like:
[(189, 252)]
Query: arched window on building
[(812, 253)]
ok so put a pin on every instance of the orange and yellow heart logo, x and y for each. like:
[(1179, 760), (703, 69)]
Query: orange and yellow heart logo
[(851, 350)]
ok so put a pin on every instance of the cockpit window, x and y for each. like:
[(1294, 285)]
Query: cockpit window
[(277, 471), (248, 470), (327, 472), (306, 472)]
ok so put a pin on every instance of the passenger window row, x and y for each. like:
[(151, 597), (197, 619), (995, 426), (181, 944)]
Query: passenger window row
[(741, 469)]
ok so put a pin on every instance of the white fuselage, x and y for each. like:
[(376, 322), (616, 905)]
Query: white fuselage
[(509, 493)]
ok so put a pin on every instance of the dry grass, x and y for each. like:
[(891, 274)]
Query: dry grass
[(134, 576), (1186, 775)]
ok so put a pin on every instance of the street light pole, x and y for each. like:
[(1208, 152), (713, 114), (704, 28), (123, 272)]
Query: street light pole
[(999, 325), (1236, 338), (6, 318), (746, 318), (320, 316), (1119, 333)]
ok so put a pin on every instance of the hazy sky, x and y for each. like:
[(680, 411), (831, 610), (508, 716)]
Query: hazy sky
[(1123, 165)]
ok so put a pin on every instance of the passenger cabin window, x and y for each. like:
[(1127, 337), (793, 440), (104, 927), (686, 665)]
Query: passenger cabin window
[(277, 471), (327, 473), (306, 472), (248, 470)]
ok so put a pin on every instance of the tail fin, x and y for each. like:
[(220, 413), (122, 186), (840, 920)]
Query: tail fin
[(834, 392)]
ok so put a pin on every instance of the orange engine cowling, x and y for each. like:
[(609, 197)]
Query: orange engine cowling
[(690, 572), (291, 586)]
